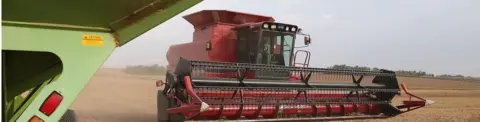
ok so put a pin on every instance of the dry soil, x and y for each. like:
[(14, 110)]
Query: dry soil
[(113, 96)]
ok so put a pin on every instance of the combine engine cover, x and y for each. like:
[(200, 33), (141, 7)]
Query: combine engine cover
[(222, 90)]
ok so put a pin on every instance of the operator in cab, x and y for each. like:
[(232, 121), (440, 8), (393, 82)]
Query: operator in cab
[(265, 50)]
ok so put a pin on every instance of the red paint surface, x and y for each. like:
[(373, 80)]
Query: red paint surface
[(193, 50), (224, 44), (252, 111), (215, 26), (269, 109)]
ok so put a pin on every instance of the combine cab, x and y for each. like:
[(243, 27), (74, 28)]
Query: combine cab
[(244, 67), (51, 48)]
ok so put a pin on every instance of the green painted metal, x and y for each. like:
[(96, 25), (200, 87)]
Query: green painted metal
[(79, 63), (30, 98), (127, 18), (44, 40), (128, 33)]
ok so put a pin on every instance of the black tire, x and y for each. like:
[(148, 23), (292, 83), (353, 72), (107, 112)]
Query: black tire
[(69, 116), (162, 106), (163, 103)]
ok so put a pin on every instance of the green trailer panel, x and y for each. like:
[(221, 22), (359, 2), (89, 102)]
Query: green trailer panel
[(126, 19), (77, 64), (58, 45)]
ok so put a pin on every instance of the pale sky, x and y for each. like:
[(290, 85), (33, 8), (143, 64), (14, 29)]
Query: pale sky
[(436, 36)]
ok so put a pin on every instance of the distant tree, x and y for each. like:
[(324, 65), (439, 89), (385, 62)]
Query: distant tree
[(154, 69), (404, 73)]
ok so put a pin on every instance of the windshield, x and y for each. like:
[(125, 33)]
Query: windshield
[(275, 48)]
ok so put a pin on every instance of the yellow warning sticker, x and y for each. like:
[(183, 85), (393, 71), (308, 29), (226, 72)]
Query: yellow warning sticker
[(92, 40)]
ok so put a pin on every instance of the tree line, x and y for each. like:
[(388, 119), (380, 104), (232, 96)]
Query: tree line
[(154, 69), (404, 73)]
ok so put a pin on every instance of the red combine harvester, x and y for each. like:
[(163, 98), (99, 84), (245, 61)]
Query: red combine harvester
[(243, 67)]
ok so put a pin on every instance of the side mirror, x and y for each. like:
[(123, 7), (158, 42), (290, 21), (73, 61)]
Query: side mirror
[(208, 46), (307, 40)]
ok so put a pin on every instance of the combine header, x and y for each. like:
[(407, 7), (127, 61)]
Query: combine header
[(243, 67)]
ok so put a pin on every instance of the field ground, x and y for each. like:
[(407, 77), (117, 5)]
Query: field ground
[(113, 96)]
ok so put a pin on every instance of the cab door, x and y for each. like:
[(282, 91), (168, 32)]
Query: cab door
[(247, 46)]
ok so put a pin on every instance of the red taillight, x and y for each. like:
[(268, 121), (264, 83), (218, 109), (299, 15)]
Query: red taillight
[(51, 103)]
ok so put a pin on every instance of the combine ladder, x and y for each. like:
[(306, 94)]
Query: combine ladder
[(305, 63)]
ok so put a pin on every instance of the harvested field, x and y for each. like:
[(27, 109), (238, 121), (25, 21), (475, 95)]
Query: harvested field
[(113, 96)]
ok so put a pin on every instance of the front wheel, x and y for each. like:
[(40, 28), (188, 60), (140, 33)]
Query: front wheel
[(69, 116), (163, 103), (162, 106)]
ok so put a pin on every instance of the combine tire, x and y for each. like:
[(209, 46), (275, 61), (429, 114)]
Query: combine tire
[(162, 106), (163, 103), (69, 116)]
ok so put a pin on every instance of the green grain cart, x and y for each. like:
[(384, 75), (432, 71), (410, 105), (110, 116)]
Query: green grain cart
[(51, 48)]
